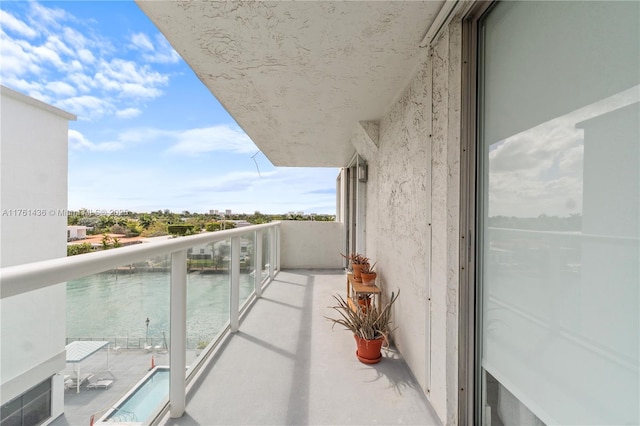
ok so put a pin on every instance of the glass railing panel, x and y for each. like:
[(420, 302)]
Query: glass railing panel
[(247, 263), (114, 305), (266, 250), (124, 311), (208, 283)]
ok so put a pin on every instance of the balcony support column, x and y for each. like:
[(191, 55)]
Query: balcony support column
[(257, 276), (277, 232), (178, 327), (234, 294)]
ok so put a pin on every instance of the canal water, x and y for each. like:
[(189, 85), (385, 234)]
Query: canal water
[(115, 306)]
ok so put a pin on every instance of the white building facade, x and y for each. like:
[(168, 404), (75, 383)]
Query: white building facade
[(33, 228), (76, 232)]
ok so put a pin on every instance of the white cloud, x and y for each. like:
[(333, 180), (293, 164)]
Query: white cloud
[(47, 15), (23, 85), (83, 82), (137, 90), (86, 107), (17, 59), (61, 89), (216, 138), (75, 38), (45, 54), (86, 56), (130, 79), (144, 135), (141, 41), (161, 52), (77, 141), (9, 22), (65, 57), (54, 43), (231, 182), (164, 53), (128, 113)]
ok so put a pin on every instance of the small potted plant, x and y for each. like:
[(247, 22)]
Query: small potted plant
[(368, 274), (356, 263), (364, 301), (370, 327)]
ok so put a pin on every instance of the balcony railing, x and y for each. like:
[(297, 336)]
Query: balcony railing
[(25, 278)]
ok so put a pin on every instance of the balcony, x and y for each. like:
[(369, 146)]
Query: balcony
[(276, 360)]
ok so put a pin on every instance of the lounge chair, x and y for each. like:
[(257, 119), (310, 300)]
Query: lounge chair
[(100, 384)]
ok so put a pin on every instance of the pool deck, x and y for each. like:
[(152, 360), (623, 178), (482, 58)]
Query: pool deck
[(286, 366), (126, 368)]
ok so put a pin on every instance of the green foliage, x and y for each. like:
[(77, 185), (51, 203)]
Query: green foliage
[(133, 230), (223, 250), (217, 226), (146, 220), (91, 222), (213, 226), (106, 222), (74, 249), (156, 229), (180, 229), (105, 242), (118, 229)]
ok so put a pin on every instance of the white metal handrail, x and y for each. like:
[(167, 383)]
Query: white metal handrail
[(32, 276), (25, 278)]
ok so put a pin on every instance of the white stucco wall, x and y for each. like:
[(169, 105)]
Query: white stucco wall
[(33, 171), (307, 244), (445, 215), (413, 219)]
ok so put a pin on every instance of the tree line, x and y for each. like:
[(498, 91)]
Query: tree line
[(164, 222)]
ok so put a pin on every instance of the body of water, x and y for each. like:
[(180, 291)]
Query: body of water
[(110, 305)]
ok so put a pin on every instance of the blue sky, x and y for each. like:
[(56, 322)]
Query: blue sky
[(149, 135)]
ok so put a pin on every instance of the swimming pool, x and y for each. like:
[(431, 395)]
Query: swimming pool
[(142, 400)]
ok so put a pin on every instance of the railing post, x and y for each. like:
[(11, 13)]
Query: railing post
[(178, 327), (272, 252), (257, 279), (234, 302), (278, 234)]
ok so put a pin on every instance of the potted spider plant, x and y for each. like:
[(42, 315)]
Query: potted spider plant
[(370, 327)]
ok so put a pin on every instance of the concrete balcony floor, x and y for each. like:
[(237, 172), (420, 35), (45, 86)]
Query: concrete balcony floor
[(286, 366)]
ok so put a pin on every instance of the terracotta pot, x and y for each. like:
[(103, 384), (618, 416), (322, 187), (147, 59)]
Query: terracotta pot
[(369, 279), (364, 303), (357, 271), (369, 350)]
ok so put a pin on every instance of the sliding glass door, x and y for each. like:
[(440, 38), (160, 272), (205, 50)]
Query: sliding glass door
[(558, 213)]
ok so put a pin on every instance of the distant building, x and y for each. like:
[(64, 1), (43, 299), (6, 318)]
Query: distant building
[(75, 232)]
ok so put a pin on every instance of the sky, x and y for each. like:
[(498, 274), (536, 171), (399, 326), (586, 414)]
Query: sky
[(149, 134)]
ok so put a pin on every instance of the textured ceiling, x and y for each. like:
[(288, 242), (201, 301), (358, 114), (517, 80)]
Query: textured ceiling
[(298, 76)]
